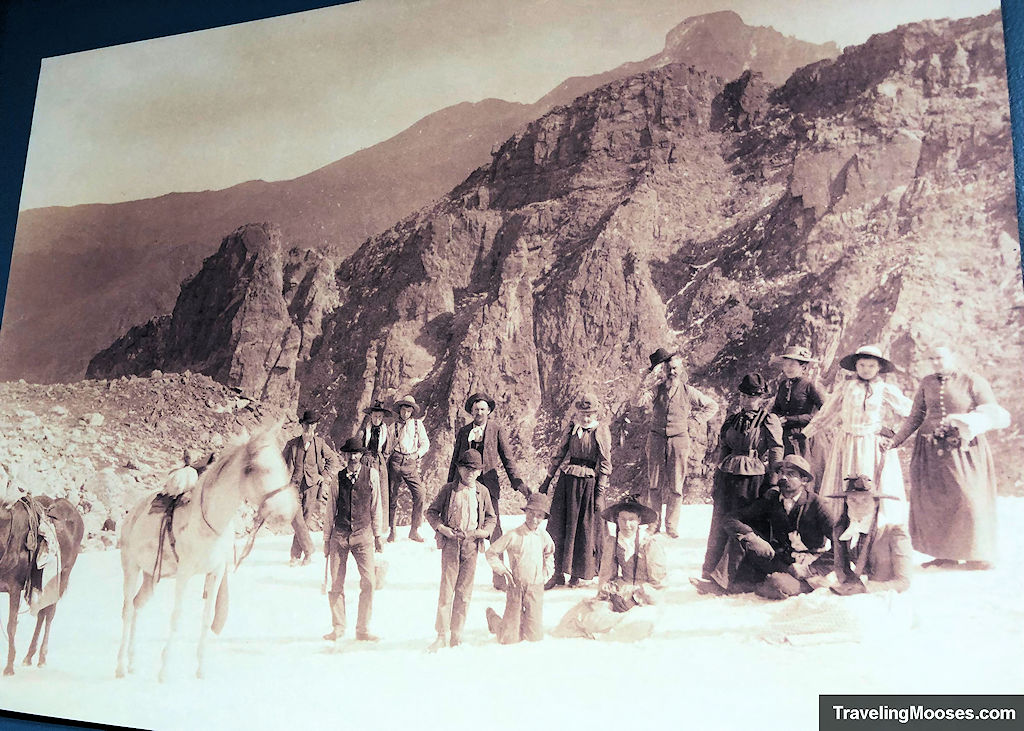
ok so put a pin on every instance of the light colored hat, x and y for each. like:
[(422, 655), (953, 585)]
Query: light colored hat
[(797, 352), (406, 401), (849, 362)]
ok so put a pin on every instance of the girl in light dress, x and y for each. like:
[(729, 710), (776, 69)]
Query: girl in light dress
[(863, 410)]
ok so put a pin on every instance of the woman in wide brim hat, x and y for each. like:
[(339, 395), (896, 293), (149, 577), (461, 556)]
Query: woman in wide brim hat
[(849, 362), (633, 505), (374, 435), (864, 409), (797, 399), (574, 524)]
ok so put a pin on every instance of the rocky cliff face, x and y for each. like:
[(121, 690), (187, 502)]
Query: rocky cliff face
[(246, 319), (119, 265), (868, 199)]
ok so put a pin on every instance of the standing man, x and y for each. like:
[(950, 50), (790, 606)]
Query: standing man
[(463, 517), (353, 526), (373, 435), (487, 436), (668, 444), (409, 443), (308, 459)]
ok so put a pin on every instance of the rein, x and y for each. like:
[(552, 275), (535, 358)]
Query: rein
[(260, 520)]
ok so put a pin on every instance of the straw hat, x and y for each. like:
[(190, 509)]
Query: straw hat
[(849, 362)]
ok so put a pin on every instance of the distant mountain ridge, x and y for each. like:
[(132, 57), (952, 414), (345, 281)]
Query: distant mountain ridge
[(869, 199), (118, 265)]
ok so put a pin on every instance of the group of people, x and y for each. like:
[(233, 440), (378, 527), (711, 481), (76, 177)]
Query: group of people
[(791, 511)]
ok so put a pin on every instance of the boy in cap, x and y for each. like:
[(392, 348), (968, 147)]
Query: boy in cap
[(531, 557), (463, 518)]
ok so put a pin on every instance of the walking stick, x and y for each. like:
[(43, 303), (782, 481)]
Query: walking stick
[(327, 565)]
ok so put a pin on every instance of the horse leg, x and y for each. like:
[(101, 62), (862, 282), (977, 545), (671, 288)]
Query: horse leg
[(35, 637), (50, 611), (209, 600), (127, 649), (12, 628), (180, 584)]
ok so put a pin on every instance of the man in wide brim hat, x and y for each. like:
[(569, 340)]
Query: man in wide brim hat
[(378, 407), (660, 356), (409, 444), (861, 485), (849, 362), (406, 401), (479, 397), (308, 460), (488, 436)]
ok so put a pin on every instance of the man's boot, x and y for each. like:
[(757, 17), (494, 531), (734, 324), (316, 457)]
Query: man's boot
[(391, 535), (558, 579), (439, 643), (493, 621), (414, 535)]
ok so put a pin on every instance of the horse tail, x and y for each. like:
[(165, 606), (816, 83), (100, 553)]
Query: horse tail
[(220, 611)]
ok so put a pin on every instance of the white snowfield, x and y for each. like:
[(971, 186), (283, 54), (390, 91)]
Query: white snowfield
[(708, 665)]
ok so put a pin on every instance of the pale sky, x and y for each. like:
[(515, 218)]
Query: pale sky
[(275, 99)]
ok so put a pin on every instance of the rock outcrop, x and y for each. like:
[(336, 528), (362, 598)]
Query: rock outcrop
[(246, 319), (867, 199), (122, 264)]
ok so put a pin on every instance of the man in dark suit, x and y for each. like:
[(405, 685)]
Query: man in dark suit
[(308, 459), (487, 436), (353, 525), (775, 544)]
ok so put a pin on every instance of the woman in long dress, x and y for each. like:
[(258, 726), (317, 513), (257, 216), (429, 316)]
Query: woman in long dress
[(952, 474), (862, 410), (574, 523)]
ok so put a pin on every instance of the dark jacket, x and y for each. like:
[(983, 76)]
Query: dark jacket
[(437, 514), (767, 517), (354, 510), (294, 453), (797, 400), (747, 441), (884, 557), (496, 453)]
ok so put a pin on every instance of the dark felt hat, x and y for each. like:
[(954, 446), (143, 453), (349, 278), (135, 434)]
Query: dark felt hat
[(406, 401), (539, 502), (588, 402), (479, 397), (849, 362), (633, 505), (309, 417), (753, 384), (797, 352), (660, 356), (352, 445), (795, 460), (378, 406), (472, 459), (864, 485)]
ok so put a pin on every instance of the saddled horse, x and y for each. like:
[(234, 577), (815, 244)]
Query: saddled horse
[(16, 563), (201, 538)]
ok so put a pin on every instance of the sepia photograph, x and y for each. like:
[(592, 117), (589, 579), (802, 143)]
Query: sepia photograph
[(665, 347)]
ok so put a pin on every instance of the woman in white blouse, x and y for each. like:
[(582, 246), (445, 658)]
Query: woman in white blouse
[(862, 409)]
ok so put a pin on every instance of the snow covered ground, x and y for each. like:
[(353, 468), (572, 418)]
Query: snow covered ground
[(708, 665)]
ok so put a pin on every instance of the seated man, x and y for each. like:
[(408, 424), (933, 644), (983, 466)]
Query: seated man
[(871, 555), (775, 544)]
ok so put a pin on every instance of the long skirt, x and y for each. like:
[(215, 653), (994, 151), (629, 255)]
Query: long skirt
[(729, 494), (953, 500), (855, 454), (575, 527)]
